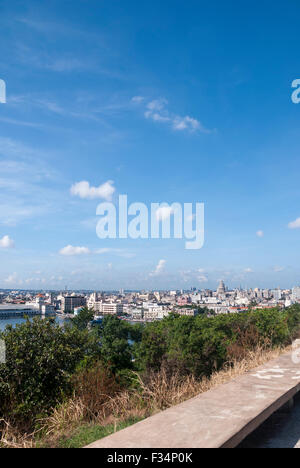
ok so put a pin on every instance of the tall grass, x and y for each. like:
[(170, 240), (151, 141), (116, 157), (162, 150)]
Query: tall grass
[(106, 406), (159, 391)]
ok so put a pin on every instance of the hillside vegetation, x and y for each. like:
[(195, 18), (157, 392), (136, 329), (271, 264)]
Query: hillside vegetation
[(60, 384)]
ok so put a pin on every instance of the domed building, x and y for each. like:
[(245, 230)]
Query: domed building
[(221, 289)]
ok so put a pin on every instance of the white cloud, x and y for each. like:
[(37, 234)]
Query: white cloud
[(202, 279), (158, 111), (157, 104), (69, 250), (6, 243), (159, 268), (294, 224), (11, 278), (248, 270), (164, 212), (85, 191), (278, 269), (156, 117), (184, 123), (260, 234), (137, 99), (119, 252)]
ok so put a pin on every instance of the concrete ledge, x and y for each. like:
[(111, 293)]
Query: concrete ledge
[(220, 418)]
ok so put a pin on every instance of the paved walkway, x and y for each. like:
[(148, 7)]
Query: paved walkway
[(222, 417)]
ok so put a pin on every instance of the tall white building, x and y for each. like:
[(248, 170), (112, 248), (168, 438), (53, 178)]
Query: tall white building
[(277, 294), (296, 293)]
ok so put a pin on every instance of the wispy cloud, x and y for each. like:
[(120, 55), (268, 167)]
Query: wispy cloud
[(138, 99), (118, 252), (24, 182), (21, 123), (43, 60), (260, 234), (12, 279), (63, 61), (202, 279), (73, 108), (63, 28), (72, 251), (159, 268), (158, 111)]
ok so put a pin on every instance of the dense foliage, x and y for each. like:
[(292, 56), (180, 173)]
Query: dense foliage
[(82, 320), (40, 358), (116, 338), (45, 362), (200, 344)]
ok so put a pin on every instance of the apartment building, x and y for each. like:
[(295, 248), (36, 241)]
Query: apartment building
[(69, 303)]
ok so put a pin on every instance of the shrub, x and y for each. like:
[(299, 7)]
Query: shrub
[(93, 387), (40, 358)]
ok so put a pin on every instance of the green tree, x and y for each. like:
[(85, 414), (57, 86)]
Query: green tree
[(84, 317), (40, 358), (116, 348)]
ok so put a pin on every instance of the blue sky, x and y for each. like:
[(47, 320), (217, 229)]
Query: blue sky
[(214, 122)]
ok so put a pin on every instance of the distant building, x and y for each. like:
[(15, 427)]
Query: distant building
[(189, 311), (277, 294), (51, 298), (266, 294), (69, 303), (221, 289), (183, 300), (107, 308), (152, 310), (296, 293), (47, 309), (114, 308), (137, 313)]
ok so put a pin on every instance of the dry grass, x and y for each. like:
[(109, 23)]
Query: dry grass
[(63, 418), (155, 393), (93, 387), (12, 438), (159, 392), (236, 368)]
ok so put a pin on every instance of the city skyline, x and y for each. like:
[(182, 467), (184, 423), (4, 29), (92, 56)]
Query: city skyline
[(104, 100), (144, 306)]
